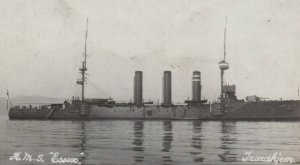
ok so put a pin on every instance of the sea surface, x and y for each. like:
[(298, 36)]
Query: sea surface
[(147, 142)]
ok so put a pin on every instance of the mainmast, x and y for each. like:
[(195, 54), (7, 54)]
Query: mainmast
[(83, 69), (225, 31), (223, 66)]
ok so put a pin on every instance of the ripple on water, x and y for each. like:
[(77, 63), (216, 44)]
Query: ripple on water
[(149, 142)]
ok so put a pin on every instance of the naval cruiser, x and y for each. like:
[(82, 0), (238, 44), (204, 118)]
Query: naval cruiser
[(228, 107)]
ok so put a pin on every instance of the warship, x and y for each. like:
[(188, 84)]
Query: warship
[(228, 107)]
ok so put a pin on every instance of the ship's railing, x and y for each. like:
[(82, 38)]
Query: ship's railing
[(39, 106)]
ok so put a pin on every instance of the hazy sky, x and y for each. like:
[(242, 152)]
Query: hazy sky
[(42, 46)]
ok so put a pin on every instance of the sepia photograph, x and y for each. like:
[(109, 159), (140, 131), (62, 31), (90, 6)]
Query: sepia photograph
[(129, 82)]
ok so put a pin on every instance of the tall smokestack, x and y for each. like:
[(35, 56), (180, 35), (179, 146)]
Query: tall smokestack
[(167, 88), (196, 86), (138, 88)]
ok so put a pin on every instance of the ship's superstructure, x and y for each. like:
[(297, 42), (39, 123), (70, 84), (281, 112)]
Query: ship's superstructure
[(196, 86), (138, 89), (167, 89), (227, 108)]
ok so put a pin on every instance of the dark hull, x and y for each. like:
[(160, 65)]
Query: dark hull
[(272, 110)]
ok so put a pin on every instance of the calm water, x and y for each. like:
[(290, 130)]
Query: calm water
[(148, 142)]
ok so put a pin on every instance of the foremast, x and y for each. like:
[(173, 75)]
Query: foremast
[(223, 66), (83, 69)]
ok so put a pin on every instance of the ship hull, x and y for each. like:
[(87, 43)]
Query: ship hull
[(128, 112), (271, 110)]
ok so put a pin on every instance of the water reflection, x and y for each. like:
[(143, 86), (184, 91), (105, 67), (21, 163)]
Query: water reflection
[(167, 140), (228, 130), (83, 153), (138, 140), (196, 141), (148, 142)]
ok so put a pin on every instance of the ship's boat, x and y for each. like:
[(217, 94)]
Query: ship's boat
[(227, 108)]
